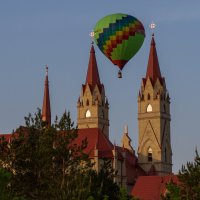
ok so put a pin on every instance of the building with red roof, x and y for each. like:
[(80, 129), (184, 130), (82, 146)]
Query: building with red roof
[(93, 124), (144, 175)]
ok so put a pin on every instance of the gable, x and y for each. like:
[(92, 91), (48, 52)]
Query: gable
[(148, 136)]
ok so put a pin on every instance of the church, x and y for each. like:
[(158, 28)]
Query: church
[(137, 171)]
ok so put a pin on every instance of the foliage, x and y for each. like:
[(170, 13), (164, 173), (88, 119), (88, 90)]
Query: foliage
[(45, 162), (173, 192), (90, 198), (189, 176), (123, 195), (189, 187), (103, 186), (4, 181)]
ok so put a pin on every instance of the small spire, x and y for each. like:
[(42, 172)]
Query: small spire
[(92, 73), (126, 140), (153, 69), (114, 145), (126, 129), (46, 108)]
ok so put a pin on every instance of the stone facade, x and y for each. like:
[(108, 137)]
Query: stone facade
[(154, 142), (93, 123), (92, 109)]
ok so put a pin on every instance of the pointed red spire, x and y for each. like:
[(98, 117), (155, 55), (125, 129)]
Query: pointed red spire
[(46, 108), (92, 73), (153, 69)]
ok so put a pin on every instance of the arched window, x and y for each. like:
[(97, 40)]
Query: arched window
[(148, 97), (150, 152), (149, 108), (88, 113), (87, 102)]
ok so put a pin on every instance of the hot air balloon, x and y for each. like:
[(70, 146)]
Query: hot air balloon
[(119, 37)]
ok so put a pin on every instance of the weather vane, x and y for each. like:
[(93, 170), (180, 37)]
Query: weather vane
[(152, 26), (92, 36)]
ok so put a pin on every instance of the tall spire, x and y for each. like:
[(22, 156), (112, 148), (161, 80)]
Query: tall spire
[(153, 69), (46, 108), (92, 73)]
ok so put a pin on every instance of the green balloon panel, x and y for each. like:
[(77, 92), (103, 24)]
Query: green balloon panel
[(119, 37)]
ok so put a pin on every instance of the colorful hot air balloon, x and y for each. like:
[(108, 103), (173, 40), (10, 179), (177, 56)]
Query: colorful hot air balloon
[(119, 37)]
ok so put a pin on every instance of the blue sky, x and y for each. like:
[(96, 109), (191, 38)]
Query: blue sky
[(39, 32)]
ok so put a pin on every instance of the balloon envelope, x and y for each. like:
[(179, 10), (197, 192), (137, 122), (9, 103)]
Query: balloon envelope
[(119, 37)]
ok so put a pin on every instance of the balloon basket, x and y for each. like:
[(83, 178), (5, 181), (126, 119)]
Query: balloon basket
[(119, 74)]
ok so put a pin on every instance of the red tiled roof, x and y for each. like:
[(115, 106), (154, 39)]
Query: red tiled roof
[(7, 136), (95, 139), (151, 187)]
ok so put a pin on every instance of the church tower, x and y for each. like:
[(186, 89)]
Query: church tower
[(92, 105), (154, 145)]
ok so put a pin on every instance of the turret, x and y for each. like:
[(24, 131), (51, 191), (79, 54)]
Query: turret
[(92, 105), (154, 142)]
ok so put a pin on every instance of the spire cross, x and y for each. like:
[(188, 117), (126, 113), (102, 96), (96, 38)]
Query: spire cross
[(92, 36), (152, 26), (46, 70)]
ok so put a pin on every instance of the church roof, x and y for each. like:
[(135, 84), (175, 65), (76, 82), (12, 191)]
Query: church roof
[(153, 69), (46, 108), (95, 140), (92, 73), (152, 187), (7, 137)]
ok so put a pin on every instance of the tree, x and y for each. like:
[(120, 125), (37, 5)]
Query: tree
[(47, 163), (44, 161), (189, 177), (4, 181), (103, 186), (123, 195), (173, 192), (189, 187)]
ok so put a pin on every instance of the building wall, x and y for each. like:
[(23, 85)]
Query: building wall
[(154, 127)]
